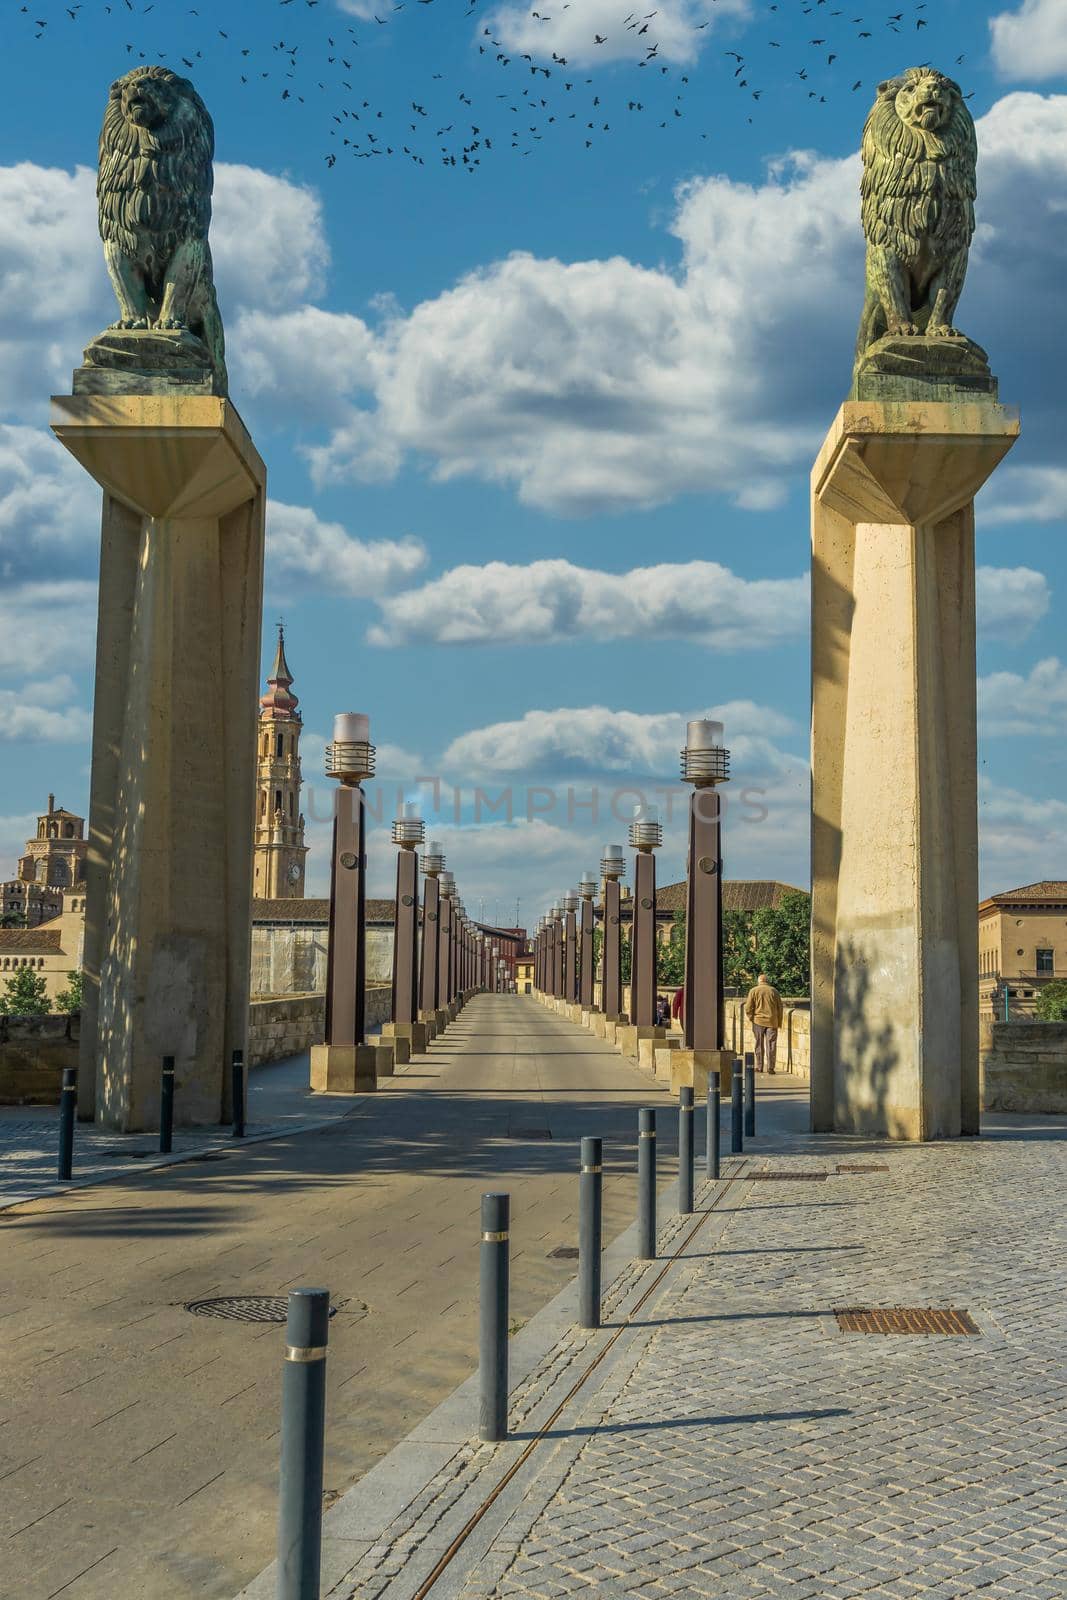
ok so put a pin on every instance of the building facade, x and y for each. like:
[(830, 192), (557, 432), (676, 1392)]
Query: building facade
[(279, 852), (52, 863), (53, 950), (1022, 945)]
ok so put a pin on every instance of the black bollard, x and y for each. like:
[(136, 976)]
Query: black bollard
[(590, 1214), (711, 1152), (493, 1407), (737, 1143), (166, 1106), (646, 1184), (237, 1089), (750, 1101), (303, 1438), (685, 1151), (68, 1106)]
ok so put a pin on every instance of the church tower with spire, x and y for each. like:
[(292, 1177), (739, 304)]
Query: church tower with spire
[(278, 866)]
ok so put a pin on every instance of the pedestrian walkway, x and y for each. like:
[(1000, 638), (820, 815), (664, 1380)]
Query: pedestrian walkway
[(139, 1441), (723, 1435)]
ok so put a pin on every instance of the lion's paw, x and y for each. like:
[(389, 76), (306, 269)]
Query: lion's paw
[(173, 324), (942, 330), (906, 329), (131, 322)]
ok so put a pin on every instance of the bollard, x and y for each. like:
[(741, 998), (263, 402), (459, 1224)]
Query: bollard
[(237, 1086), (737, 1143), (166, 1106), (493, 1406), (685, 1151), (68, 1106), (750, 1101), (590, 1214), (646, 1184), (303, 1437), (711, 1150)]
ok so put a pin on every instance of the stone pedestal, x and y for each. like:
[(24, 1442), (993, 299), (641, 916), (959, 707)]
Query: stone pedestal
[(628, 1038), (350, 1068), (894, 826), (415, 1034), (167, 928)]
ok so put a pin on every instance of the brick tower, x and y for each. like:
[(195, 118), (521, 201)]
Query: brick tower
[(278, 869)]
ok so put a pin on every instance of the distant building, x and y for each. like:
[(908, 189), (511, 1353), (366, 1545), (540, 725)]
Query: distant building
[(1022, 945), (53, 949), (53, 862), (743, 894), (280, 852)]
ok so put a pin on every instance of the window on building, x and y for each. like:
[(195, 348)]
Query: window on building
[(263, 803), (281, 745), (277, 799), (1046, 963), (290, 805)]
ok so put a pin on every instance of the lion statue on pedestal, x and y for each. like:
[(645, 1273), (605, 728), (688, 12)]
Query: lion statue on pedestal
[(919, 159), (153, 189)]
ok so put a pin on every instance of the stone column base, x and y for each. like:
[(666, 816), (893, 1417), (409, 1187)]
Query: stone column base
[(628, 1038), (649, 1050), (414, 1034), (349, 1068), (429, 1022), (696, 1069)]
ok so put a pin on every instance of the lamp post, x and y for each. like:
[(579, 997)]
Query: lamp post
[(587, 890), (344, 1062), (444, 952), (705, 764), (612, 870), (459, 917), (646, 835), (570, 947), (408, 1033), (557, 951), (433, 864)]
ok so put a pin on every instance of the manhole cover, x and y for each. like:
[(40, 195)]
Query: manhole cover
[(242, 1307), (905, 1319), (564, 1252), (786, 1177), (861, 1166), (529, 1133)]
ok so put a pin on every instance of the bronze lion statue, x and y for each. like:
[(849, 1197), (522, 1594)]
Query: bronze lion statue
[(153, 190), (918, 189)]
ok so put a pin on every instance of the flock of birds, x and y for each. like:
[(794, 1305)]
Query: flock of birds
[(543, 94)]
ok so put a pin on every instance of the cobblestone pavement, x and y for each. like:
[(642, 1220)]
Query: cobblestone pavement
[(743, 1447), (139, 1443), (279, 1102)]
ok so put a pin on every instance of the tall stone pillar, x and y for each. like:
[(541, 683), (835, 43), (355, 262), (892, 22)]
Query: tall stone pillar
[(587, 889), (444, 949), (408, 1034), (646, 835), (612, 869), (570, 947), (168, 903), (894, 828), (433, 863)]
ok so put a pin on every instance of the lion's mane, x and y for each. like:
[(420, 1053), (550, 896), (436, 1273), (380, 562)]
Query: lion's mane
[(154, 184), (918, 185)]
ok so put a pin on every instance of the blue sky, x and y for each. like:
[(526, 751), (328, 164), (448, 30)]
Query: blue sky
[(539, 430)]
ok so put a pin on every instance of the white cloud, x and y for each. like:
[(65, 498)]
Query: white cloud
[(1010, 601), (14, 832), (49, 507), (41, 711), (1025, 494), (267, 238), (47, 625), (550, 601), (1031, 41), (1021, 839), (303, 551), (679, 28), (1009, 703)]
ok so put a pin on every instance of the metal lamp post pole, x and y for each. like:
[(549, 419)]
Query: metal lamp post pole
[(409, 832), (349, 759), (587, 889), (646, 835), (570, 947), (612, 869), (705, 763), (433, 863), (444, 950)]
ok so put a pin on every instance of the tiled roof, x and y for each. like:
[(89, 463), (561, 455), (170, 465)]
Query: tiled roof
[(1054, 889), (743, 894), (31, 941), (314, 912)]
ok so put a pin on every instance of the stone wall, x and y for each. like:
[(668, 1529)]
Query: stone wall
[(1023, 1067), (287, 1025), (794, 1036), (33, 1053), (292, 960)]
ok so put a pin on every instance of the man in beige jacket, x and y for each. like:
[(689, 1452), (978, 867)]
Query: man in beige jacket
[(763, 1008)]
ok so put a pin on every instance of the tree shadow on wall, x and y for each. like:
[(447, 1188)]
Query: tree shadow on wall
[(868, 1055)]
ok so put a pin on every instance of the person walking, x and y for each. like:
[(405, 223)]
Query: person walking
[(763, 1008)]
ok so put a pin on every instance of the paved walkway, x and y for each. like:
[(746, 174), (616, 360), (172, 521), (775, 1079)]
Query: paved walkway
[(138, 1442), (722, 1436)]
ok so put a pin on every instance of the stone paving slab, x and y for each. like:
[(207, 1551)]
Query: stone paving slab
[(739, 1445)]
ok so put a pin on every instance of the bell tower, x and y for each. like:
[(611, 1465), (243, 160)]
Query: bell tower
[(278, 864)]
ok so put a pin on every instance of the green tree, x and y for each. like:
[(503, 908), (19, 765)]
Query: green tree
[(1051, 1003), (783, 943), (624, 956), (670, 957), (13, 919), (70, 998), (25, 995), (738, 956)]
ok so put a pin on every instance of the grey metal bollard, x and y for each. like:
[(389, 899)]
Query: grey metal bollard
[(237, 1091), (495, 1252), (750, 1101), (166, 1106), (737, 1143), (646, 1184), (711, 1151), (685, 1151), (68, 1106), (303, 1439), (590, 1229)]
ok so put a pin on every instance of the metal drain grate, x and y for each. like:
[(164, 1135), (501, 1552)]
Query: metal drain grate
[(786, 1177), (529, 1133), (905, 1319), (242, 1307), (564, 1252), (861, 1166)]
